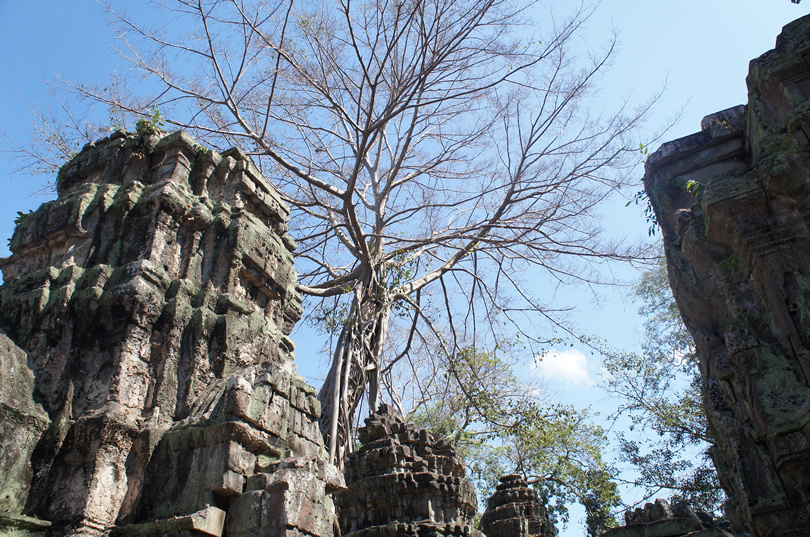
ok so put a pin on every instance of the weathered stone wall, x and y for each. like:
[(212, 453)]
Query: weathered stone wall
[(405, 482), (147, 310), (738, 252), (23, 423), (147, 383)]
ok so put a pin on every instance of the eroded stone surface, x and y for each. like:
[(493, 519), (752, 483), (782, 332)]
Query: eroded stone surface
[(404, 482), (514, 510), (147, 310), (660, 520), (23, 424), (738, 253)]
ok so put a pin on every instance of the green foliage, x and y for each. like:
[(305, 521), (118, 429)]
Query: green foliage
[(502, 425), (649, 212), (666, 338), (731, 265), (600, 498), (644, 150), (562, 456), (150, 125), (21, 216), (694, 187), (397, 272), (642, 197), (329, 317), (660, 393)]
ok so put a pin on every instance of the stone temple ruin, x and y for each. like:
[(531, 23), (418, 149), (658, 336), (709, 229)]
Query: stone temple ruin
[(405, 482), (733, 203), (660, 520), (147, 381), (514, 509), (152, 387)]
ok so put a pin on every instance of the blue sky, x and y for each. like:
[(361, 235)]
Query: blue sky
[(696, 50)]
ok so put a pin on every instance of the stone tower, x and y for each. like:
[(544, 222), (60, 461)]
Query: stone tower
[(405, 482), (514, 509), (147, 309)]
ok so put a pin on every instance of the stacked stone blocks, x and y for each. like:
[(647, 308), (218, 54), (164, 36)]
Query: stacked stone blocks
[(403, 481), (660, 520), (515, 509), (147, 309)]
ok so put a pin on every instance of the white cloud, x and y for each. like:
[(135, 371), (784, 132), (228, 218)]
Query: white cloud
[(568, 366)]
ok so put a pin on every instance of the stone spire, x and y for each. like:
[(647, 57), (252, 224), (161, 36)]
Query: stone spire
[(405, 482), (514, 510)]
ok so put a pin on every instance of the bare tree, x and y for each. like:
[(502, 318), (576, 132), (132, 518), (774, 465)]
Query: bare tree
[(427, 147)]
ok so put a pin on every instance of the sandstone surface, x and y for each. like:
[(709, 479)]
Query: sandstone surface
[(660, 520), (733, 203), (405, 482), (514, 509), (148, 384)]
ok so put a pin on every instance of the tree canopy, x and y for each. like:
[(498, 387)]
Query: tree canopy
[(502, 425), (669, 443), (433, 152), (444, 161)]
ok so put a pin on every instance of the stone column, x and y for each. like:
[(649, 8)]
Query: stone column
[(733, 203)]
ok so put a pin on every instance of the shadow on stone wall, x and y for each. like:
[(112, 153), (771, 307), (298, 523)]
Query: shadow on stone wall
[(733, 203)]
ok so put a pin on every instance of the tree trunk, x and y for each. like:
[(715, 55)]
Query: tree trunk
[(355, 364)]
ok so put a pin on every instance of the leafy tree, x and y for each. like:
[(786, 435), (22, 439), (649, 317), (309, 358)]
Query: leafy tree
[(660, 394), (503, 425), (433, 153)]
